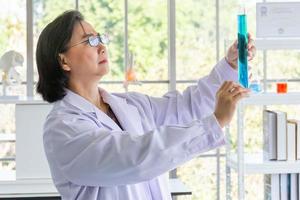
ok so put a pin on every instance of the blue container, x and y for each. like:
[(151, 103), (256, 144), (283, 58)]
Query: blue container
[(242, 50), (255, 87)]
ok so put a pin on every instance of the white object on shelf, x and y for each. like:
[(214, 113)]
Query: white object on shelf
[(277, 19), (281, 134)]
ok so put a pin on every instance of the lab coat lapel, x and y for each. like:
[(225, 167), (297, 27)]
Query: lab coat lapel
[(106, 120), (127, 115), (84, 105)]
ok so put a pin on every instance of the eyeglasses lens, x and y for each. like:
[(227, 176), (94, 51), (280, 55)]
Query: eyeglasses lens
[(97, 39)]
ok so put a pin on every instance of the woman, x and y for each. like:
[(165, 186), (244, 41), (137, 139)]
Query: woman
[(117, 146)]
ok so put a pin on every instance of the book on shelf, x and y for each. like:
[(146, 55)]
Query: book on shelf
[(294, 187), (284, 187), (281, 187), (272, 187), (275, 135), (281, 121), (291, 140), (297, 124), (270, 135), (281, 142), (281, 136), (298, 186)]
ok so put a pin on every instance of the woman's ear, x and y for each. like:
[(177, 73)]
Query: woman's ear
[(63, 62)]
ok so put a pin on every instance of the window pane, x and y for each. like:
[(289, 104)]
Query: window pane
[(7, 149), (44, 12), (7, 126), (284, 64), (155, 90), (115, 87), (182, 86), (6, 172), (13, 46), (108, 17), (199, 175), (152, 89), (7, 118), (195, 38), (147, 38)]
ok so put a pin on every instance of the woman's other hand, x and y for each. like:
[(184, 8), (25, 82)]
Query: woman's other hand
[(232, 53), (226, 99)]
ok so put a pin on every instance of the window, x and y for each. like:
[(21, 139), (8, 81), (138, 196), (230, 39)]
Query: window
[(108, 17), (44, 11), (12, 48), (195, 38), (147, 38)]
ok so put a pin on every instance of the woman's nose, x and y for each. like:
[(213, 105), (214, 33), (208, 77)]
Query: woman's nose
[(101, 49)]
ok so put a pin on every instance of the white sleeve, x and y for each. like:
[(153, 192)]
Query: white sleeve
[(88, 155), (196, 102)]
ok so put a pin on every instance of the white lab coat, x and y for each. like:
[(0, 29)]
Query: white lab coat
[(91, 158)]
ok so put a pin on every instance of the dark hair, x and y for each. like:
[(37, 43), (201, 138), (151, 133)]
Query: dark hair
[(53, 40)]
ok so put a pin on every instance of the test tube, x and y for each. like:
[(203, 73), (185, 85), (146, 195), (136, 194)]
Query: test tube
[(242, 48)]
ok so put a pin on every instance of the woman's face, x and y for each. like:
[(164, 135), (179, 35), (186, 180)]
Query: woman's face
[(82, 61)]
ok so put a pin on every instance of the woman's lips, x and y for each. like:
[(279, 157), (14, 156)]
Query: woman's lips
[(103, 61)]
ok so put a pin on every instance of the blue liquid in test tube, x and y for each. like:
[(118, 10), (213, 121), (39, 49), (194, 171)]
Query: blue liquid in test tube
[(242, 50)]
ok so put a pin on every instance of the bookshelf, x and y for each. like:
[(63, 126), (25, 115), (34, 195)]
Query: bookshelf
[(253, 163)]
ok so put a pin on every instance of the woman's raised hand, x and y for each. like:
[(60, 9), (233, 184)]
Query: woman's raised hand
[(226, 99)]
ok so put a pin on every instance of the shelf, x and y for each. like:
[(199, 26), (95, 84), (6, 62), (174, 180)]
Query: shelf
[(277, 43), (254, 164), (7, 137), (21, 100), (271, 99), (28, 188)]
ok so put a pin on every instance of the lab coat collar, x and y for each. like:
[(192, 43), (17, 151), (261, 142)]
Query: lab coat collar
[(86, 106), (78, 101), (127, 114)]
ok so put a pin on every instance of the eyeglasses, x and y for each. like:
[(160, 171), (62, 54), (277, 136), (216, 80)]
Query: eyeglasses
[(93, 41)]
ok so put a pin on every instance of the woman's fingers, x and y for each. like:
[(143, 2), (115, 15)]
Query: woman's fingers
[(251, 47), (239, 90), (229, 87), (223, 85), (251, 53), (250, 43), (227, 97), (240, 95), (232, 86)]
